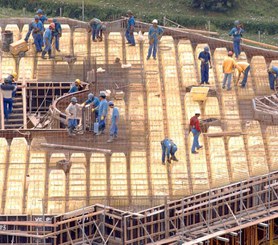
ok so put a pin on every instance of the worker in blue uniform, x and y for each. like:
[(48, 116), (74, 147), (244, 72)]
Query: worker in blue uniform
[(155, 34), (236, 33), (114, 122), (57, 33), (102, 112), (94, 101), (36, 28), (47, 38), (95, 27), (272, 76), (204, 57), (169, 148), (41, 15), (129, 34)]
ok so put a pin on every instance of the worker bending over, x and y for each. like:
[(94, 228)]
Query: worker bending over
[(94, 101), (155, 34), (103, 109), (95, 27), (114, 122), (272, 76), (236, 33), (129, 34), (47, 40), (56, 34), (243, 68), (204, 57), (228, 67), (169, 148), (194, 127), (71, 113)]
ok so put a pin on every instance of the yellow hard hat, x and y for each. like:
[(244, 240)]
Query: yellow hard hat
[(14, 74), (78, 81)]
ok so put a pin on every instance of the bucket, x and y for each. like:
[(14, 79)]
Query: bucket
[(7, 39)]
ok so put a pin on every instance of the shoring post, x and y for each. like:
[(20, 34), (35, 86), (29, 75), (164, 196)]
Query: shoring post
[(24, 102), (166, 217), (2, 112), (60, 12), (164, 21)]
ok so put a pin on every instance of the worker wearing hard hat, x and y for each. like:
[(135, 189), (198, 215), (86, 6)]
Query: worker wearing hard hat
[(57, 33), (194, 127), (47, 40), (76, 86), (129, 33), (12, 79), (272, 76), (114, 122), (36, 28), (94, 101), (169, 149), (236, 33), (71, 112), (102, 112), (41, 15), (243, 68), (155, 34), (204, 57)]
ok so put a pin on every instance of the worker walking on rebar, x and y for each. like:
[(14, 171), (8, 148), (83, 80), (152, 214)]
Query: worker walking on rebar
[(228, 67), (57, 33), (114, 122), (272, 76), (169, 149), (95, 27), (103, 109), (155, 34), (236, 33), (243, 68), (71, 113), (204, 57), (94, 101), (129, 34), (47, 40), (36, 28), (194, 127)]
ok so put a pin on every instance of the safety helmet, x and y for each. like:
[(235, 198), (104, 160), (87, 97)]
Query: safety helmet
[(206, 49), (155, 21), (78, 81), (110, 103), (37, 17), (237, 22), (129, 12), (102, 95), (90, 96), (14, 75), (73, 99), (197, 112), (52, 26), (39, 11), (230, 53)]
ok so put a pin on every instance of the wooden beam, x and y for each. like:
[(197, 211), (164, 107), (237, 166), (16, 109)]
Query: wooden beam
[(222, 134), (260, 44)]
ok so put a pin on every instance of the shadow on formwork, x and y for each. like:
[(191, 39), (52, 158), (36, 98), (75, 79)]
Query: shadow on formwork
[(47, 175)]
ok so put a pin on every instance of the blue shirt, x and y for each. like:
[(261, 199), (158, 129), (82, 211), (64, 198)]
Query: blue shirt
[(103, 108), (275, 70), (43, 18), (236, 33), (36, 27), (95, 101), (73, 89), (47, 36), (58, 29), (168, 147), (155, 32), (130, 22), (115, 115), (204, 55)]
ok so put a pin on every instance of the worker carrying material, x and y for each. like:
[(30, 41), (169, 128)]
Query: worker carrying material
[(57, 34), (47, 40), (36, 28), (194, 127), (204, 57), (103, 109), (129, 33), (169, 149), (236, 33), (71, 113), (272, 77), (114, 122), (243, 68), (155, 34)]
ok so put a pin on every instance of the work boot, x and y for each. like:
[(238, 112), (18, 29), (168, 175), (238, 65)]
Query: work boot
[(49, 55), (168, 161), (43, 54), (200, 147), (174, 158), (110, 139)]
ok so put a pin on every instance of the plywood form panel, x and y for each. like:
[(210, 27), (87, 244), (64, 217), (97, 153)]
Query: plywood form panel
[(26, 68), (80, 43), (77, 181), (218, 161), (36, 185), (115, 47), (44, 70), (272, 142), (16, 176)]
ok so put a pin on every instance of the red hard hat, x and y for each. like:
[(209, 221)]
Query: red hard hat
[(52, 25)]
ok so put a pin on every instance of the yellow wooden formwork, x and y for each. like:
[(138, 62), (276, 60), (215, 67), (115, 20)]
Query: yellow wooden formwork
[(80, 44), (218, 57), (65, 40), (211, 108), (44, 71), (26, 68), (3, 161), (272, 143), (115, 47), (8, 66), (98, 50)]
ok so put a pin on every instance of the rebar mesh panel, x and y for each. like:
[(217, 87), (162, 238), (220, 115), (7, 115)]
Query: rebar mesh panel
[(272, 143), (133, 53), (115, 46), (98, 51), (211, 108), (3, 162), (26, 68), (80, 36), (8, 65), (65, 40)]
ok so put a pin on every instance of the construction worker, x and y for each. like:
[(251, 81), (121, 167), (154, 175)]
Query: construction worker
[(236, 33), (41, 15), (129, 34), (36, 28), (12, 79), (57, 33), (77, 86), (228, 67), (94, 101), (194, 127), (272, 76), (47, 39), (204, 57), (168, 148), (243, 68), (71, 113), (155, 34), (95, 28), (114, 122), (102, 112), (7, 90)]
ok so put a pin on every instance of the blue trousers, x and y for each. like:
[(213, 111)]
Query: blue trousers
[(195, 144), (129, 37), (72, 123), (237, 47), (47, 46), (167, 151), (227, 77), (244, 81), (272, 78), (113, 129), (57, 41), (95, 31), (38, 42), (204, 73), (153, 49), (101, 125), (8, 107)]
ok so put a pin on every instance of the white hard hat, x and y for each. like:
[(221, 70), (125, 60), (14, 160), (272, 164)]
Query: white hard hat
[(197, 112), (155, 21)]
